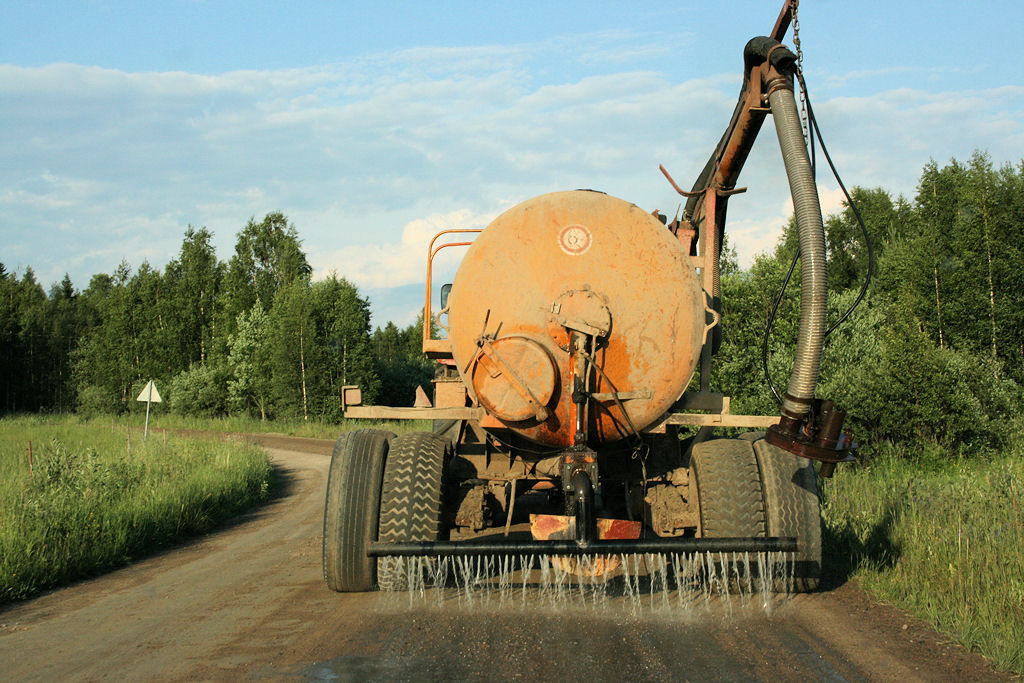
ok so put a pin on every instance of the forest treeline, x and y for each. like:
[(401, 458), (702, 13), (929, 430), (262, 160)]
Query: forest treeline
[(934, 355), (254, 335)]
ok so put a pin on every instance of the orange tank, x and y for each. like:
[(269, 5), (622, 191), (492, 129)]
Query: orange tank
[(569, 272)]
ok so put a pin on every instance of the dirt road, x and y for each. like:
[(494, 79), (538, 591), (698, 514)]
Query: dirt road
[(249, 602)]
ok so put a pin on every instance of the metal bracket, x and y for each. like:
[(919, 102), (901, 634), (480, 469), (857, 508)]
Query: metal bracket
[(821, 438), (575, 460)]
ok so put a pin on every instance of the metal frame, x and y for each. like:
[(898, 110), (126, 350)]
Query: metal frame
[(438, 348)]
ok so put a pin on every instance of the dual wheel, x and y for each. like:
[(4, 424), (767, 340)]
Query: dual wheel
[(748, 488), (389, 488), (380, 487)]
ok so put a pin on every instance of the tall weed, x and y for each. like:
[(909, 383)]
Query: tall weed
[(96, 498), (944, 540)]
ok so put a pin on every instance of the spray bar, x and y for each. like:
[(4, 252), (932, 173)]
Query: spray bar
[(611, 547)]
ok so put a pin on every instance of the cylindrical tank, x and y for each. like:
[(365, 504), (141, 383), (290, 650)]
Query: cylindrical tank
[(572, 265)]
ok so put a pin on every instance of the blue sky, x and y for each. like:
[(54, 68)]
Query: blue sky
[(372, 128)]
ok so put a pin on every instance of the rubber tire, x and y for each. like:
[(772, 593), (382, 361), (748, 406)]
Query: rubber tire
[(351, 509), (793, 508), (411, 496), (729, 492)]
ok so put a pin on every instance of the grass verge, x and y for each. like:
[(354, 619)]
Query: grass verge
[(945, 541), (95, 498)]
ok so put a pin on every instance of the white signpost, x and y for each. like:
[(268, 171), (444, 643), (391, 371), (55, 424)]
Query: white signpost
[(149, 395)]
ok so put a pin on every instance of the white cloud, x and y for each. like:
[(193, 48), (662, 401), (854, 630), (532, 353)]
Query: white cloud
[(400, 263), (910, 73), (829, 198), (99, 165), (50, 191)]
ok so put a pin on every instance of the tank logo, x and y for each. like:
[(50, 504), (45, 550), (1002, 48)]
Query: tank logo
[(574, 240)]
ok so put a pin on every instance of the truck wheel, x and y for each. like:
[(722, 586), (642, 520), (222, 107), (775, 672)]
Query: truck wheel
[(351, 509), (410, 506), (793, 506), (728, 489), (729, 496)]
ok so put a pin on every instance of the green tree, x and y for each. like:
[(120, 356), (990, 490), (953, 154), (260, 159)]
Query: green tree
[(65, 329), (8, 336), (33, 362), (293, 349), (249, 361), (26, 350), (1008, 250), (201, 390), (345, 356), (194, 281), (268, 256), (957, 267), (930, 356), (747, 301), (900, 387), (151, 314), (401, 364), (887, 223), (96, 363), (128, 337)]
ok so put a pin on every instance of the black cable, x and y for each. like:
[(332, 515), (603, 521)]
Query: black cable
[(771, 323), (814, 130)]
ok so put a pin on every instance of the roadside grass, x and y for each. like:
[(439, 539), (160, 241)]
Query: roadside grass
[(943, 540), (311, 429), (92, 502)]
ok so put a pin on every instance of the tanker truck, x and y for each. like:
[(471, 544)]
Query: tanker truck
[(575, 349)]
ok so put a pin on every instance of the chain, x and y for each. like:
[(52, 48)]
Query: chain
[(795, 4)]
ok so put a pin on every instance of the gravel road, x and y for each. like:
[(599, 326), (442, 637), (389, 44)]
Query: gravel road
[(249, 602)]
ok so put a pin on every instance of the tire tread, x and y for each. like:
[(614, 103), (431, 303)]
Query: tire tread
[(729, 489), (793, 508), (410, 508)]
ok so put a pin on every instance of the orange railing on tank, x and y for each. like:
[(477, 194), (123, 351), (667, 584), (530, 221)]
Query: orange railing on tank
[(438, 348)]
